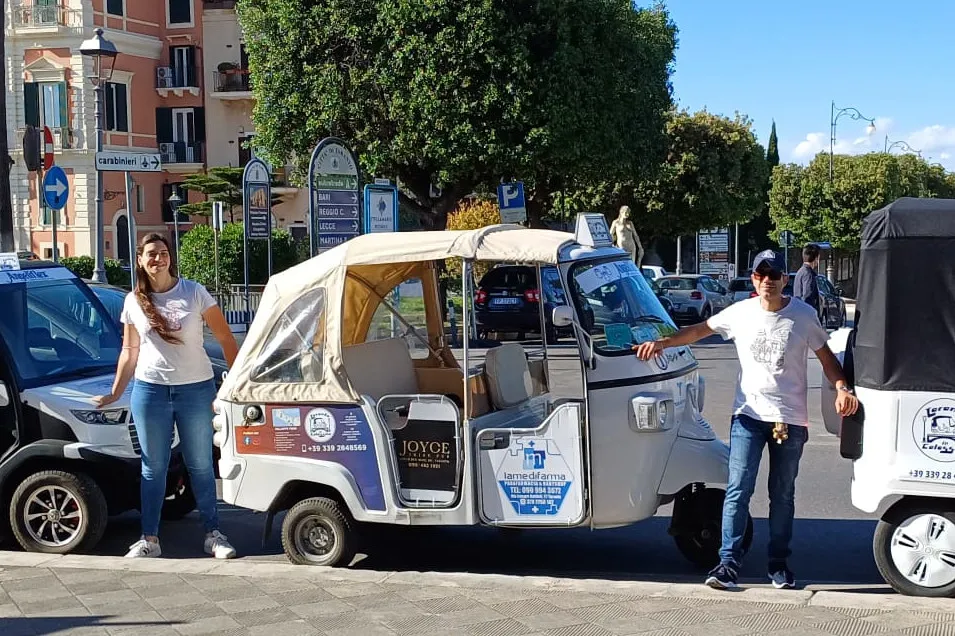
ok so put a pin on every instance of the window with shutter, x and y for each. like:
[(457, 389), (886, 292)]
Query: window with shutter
[(117, 107), (31, 104), (114, 7), (180, 11)]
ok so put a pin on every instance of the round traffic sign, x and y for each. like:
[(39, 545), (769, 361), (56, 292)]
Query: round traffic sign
[(56, 188)]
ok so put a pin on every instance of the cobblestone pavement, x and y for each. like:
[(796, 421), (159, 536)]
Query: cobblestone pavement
[(69, 599)]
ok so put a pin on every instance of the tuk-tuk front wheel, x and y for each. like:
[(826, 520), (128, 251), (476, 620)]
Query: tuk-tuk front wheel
[(317, 532), (914, 548), (697, 526)]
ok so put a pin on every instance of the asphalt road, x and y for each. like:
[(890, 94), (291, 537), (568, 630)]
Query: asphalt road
[(832, 542)]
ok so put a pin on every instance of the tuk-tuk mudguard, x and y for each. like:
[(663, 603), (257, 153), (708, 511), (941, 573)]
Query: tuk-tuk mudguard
[(695, 461)]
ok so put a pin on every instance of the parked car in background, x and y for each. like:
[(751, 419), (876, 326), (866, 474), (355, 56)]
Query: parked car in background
[(695, 297), (653, 272), (741, 288), (507, 300), (832, 308), (113, 298), (661, 294)]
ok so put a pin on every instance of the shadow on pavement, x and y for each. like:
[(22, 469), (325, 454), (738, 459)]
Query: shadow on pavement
[(40, 626), (825, 551)]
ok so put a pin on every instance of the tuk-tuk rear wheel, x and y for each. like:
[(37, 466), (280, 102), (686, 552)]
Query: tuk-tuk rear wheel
[(317, 532), (698, 524), (914, 548)]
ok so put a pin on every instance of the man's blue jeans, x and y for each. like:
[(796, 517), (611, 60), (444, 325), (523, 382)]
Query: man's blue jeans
[(156, 408), (747, 439)]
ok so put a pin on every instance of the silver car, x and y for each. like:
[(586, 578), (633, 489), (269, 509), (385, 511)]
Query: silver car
[(695, 297), (742, 288)]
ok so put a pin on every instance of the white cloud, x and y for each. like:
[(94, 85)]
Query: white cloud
[(937, 142)]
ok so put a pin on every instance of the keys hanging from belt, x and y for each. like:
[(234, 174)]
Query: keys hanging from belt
[(780, 432)]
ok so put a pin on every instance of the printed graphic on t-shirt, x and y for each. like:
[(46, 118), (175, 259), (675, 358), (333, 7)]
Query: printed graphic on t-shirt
[(173, 311), (769, 348)]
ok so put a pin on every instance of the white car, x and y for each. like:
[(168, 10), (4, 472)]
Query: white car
[(695, 297), (653, 272)]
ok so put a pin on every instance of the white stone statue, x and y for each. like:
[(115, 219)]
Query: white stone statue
[(625, 236)]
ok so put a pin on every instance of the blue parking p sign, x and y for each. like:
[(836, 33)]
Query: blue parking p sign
[(510, 200), (56, 188)]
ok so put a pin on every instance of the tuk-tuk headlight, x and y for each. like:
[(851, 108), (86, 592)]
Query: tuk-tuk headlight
[(109, 416), (651, 413)]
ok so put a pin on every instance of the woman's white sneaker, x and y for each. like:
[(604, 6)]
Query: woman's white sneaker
[(217, 544), (144, 549)]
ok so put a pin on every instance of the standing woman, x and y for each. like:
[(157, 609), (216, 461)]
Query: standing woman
[(174, 385)]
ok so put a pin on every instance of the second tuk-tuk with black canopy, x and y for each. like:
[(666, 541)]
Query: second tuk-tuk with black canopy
[(900, 356)]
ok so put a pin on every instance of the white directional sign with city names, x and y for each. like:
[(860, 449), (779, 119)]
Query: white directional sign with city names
[(111, 160)]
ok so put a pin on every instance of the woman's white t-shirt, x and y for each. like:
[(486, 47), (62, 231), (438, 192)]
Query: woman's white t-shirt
[(171, 363)]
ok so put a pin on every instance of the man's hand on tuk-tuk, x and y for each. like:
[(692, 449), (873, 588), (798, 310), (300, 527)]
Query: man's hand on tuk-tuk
[(646, 350)]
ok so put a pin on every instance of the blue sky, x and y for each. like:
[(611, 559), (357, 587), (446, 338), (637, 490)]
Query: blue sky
[(787, 60)]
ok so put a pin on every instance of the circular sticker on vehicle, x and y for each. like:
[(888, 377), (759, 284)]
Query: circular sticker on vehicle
[(320, 425), (934, 430)]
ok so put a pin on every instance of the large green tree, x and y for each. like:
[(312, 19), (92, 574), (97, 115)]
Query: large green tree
[(772, 148), (459, 94), (803, 201), (223, 183)]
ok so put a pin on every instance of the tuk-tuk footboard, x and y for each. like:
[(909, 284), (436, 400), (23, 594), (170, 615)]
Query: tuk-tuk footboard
[(426, 452)]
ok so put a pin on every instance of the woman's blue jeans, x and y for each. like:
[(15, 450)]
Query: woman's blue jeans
[(156, 408), (748, 437)]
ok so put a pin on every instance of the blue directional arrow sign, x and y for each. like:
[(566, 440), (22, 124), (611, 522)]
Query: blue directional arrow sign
[(337, 226), (56, 188)]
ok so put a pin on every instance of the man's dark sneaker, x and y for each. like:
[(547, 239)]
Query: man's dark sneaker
[(722, 577), (781, 576)]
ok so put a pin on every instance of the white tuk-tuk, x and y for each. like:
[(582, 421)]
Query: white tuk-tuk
[(900, 356), (347, 408)]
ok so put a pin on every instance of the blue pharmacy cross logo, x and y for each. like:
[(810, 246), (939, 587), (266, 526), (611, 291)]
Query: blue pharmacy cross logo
[(534, 459)]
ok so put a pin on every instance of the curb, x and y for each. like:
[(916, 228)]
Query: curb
[(877, 598)]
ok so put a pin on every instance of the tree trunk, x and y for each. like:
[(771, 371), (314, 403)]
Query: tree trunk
[(6, 204)]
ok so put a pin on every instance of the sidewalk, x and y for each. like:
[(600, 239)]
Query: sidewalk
[(76, 595)]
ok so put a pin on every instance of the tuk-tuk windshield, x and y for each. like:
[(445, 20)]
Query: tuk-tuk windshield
[(55, 329), (617, 306)]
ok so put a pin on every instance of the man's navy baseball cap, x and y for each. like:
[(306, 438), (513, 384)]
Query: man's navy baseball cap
[(771, 259)]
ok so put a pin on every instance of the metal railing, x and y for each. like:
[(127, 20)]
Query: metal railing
[(62, 138), (218, 4), (181, 152), (34, 15), (232, 304), (234, 81)]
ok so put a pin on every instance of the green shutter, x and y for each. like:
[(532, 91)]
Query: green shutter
[(64, 106), (31, 104)]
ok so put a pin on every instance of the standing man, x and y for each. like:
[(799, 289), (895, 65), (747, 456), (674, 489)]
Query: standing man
[(805, 285), (773, 335)]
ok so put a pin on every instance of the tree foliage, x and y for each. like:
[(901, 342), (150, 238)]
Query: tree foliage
[(803, 201), (472, 214), (83, 267), (197, 259), (223, 184), (772, 149), (460, 94)]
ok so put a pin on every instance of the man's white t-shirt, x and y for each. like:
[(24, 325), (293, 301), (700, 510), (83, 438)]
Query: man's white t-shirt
[(171, 363), (773, 347)]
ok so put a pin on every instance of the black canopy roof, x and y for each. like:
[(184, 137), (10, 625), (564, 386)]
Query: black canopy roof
[(905, 311)]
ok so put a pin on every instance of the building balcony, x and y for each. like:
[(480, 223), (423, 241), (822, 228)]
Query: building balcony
[(177, 79), (51, 18), (232, 84), (182, 157), (218, 4), (62, 139)]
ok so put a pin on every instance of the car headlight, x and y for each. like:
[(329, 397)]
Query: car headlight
[(109, 416)]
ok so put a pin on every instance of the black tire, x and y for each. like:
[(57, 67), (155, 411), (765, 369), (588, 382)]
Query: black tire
[(87, 502), (701, 527), (317, 532), (180, 502), (896, 518), (705, 314)]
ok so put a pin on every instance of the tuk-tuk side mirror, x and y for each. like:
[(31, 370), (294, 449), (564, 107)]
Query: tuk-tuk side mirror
[(4, 395), (563, 316)]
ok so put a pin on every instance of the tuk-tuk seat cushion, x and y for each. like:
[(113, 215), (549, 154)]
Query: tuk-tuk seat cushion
[(508, 376), (380, 367)]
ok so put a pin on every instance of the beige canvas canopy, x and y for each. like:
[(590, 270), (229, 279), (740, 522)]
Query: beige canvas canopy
[(310, 312)]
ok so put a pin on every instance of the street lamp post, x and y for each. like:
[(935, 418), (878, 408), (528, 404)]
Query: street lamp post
[(103, 55), (174, 202), (834, 116), (900, 144)]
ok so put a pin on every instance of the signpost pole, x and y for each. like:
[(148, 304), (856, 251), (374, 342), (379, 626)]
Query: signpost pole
[(216, 226), (679, 255), (131, 229)]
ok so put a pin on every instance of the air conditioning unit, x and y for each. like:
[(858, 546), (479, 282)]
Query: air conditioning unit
[(164, 77)]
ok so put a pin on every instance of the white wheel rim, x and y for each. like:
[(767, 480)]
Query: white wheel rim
[(923, 550), (52, 516)]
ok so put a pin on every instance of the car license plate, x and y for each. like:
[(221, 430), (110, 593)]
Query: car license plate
[(505, 301)]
